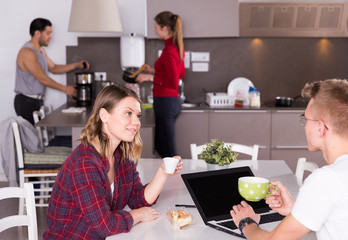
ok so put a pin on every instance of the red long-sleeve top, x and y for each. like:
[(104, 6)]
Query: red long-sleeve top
[(168, 70)]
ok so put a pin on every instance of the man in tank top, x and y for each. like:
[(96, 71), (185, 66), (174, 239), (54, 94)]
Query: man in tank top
[(32, 67)]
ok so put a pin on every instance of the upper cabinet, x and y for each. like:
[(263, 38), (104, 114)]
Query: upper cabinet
[(326, 18), (201, 18)]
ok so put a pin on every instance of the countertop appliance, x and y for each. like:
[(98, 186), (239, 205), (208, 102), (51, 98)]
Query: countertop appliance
[(132, 48), (84, 85)]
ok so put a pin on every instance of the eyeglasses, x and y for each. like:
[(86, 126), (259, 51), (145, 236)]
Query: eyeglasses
[(303, 120)]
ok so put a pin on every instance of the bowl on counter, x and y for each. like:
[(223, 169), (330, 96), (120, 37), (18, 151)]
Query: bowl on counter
[(189, 105)]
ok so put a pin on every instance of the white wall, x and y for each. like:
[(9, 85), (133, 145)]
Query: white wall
[(15, 18)]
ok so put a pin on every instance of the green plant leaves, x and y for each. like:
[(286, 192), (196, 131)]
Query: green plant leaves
[(217, 153)]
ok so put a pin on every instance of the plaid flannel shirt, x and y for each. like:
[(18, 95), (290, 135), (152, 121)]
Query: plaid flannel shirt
[(81, 204)]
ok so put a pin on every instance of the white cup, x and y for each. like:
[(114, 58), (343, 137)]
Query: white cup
[(170, 164)]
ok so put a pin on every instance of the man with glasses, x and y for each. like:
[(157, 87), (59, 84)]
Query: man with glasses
[(322, 202)]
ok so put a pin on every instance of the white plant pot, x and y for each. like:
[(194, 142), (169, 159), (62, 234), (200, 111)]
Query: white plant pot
[(211, 166)]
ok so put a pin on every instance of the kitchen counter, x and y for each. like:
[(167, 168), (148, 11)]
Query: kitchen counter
[(59, 119), (77, 121), (269, 106)]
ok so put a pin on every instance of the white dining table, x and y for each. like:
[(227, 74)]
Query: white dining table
[(174, 192)]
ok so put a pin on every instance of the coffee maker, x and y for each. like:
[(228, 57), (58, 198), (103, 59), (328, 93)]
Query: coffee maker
[(84, 88)]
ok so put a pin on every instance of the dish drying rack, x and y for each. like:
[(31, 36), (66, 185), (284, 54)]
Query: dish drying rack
[(219, 99)]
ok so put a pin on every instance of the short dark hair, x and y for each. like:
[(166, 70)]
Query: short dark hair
[(39, 24), (330, 101)]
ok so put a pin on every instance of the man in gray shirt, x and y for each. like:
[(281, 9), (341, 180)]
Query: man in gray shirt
[(32, 67)]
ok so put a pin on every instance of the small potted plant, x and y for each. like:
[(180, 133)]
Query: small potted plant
[(217, 155)]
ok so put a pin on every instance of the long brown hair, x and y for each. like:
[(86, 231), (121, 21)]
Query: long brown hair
[(93, 133), (174, 24)]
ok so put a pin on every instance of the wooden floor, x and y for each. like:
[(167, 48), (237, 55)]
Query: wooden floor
[(10, 207)]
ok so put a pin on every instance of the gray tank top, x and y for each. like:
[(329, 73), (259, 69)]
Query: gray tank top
[(27, 83)]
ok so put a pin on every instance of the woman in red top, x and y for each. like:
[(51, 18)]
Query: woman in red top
[(167, 71)]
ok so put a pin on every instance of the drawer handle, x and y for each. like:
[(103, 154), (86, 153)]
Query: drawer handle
[(240, 111), (290, 147), (193, 111), (290, 111)]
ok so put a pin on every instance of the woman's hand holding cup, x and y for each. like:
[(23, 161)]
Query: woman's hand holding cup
[(172, 165)]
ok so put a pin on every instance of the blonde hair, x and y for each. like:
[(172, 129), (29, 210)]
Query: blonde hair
[(174, 24), (93, 133), (330, 102)]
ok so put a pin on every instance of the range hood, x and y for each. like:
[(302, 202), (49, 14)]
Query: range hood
[(293, 18)]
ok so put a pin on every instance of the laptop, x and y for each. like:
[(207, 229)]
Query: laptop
[(215, 192)]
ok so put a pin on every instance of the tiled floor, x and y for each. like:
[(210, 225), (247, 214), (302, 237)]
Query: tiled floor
[(10, 207)]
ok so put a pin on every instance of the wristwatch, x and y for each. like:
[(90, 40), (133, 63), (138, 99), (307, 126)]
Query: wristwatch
[(245, 222)]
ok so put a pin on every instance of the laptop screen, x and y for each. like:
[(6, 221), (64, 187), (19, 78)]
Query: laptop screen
[(215, 192)]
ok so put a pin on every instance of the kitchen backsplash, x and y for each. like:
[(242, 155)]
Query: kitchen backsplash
[(276, 66)]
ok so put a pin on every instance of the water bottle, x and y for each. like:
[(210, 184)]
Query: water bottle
[(254, 97)]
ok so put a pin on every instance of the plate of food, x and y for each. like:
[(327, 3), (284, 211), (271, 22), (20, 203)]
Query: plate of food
[(241, 86)]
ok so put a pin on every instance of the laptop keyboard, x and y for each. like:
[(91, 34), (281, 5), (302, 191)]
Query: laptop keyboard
[(267, 218)]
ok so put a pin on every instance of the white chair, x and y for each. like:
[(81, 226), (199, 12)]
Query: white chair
[(41, 166), (27, 193), (303, 165), (252, 151), (45, 134)]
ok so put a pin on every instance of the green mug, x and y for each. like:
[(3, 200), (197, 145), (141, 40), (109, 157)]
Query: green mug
[(254, 188)]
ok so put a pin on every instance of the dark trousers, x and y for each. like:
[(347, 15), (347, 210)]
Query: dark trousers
[(25, 106), (167, 109)]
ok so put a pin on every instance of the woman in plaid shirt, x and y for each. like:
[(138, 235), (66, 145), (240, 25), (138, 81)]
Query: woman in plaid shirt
[(99, 178)]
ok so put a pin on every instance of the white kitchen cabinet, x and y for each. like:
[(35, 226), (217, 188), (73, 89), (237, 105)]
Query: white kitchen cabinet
[(201, 18), (190, 127), (247, 127), (289, 139)]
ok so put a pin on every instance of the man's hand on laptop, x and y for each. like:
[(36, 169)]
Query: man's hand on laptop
[(243, 210), (280, 201)]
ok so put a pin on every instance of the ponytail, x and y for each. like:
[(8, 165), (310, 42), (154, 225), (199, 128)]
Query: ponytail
[(178, 37)]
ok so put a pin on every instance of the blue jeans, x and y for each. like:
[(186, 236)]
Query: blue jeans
[(167, 109)]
